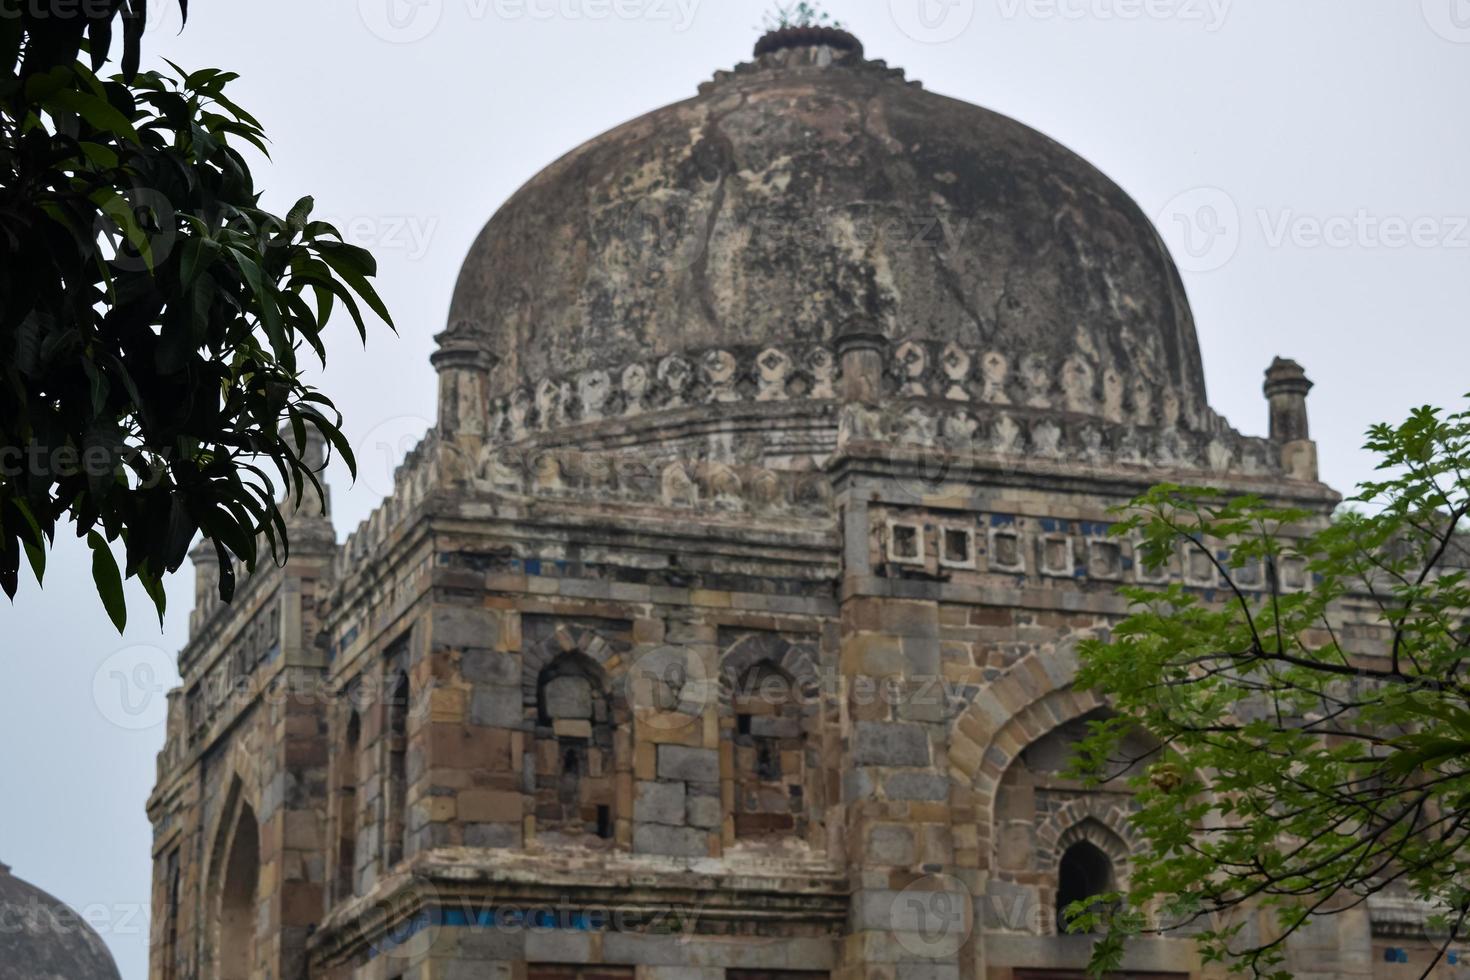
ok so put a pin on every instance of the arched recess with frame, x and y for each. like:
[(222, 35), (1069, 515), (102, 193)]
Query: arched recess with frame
[(395, 732), (1009, 800), (346, 803), (771, 784), (1020, 707), (1088, 859), (577, 716), (1039, 809), (1025, 719), (233, 896)]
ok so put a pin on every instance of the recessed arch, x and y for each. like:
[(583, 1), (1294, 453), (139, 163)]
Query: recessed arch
[(795, 658), (572, 747), (570, 687), (769, 735), (396, 728), (234, 888), (1084, 871), (349, 760), (567, 639)]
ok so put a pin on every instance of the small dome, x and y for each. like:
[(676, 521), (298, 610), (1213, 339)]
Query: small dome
[(44, 939), (813, 192)]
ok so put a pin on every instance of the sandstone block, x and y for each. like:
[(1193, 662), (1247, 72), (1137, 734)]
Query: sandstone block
[(680, 762), (651, 838), (490, 667), (572, 728), (493, 835), (892, 845), (497, 706), (463, 626), (890, 744), (916, 786), (659, 803), (704, 811), (490, 806)]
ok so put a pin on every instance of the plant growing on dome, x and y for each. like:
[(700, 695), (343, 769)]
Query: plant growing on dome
[(802, 14)]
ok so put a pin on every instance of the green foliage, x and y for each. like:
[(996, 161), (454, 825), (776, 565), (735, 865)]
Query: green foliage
[(152, 314), (38, 35), (1303, 768), (802, 14)]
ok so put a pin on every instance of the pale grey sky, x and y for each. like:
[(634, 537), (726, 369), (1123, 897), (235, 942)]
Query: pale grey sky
[(1304, 158)]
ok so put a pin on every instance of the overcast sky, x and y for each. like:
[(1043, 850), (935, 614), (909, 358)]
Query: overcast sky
[(1305, 159)]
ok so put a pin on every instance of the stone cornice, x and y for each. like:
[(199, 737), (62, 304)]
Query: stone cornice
[(636, 893)]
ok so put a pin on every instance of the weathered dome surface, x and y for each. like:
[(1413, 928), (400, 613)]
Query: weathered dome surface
[(44, 939), (813, 192)]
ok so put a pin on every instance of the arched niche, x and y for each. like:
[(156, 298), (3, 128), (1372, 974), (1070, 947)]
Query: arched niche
[(235, 891), (770, 703), (347, 766), (396, 730), (573, 749)]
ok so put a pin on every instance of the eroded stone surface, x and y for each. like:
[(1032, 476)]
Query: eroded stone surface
[(725, 627)]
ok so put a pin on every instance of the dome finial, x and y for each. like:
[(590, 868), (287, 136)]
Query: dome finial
[(804, 25)]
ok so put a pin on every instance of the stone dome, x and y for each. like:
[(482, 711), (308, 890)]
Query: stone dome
[(810, 193), (44, 939)]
